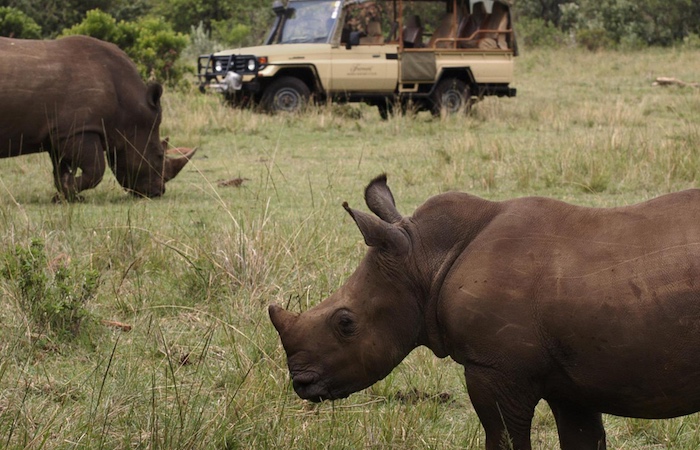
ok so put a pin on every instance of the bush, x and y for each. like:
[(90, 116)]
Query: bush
[(52, 295), (150, 43), (157, 49), (229, 32), (200, 43), (16, 24), (539, 33), (594, 39), (692, 41)]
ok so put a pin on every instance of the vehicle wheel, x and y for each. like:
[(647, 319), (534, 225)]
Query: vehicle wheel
[(287, 94), (451, 95)]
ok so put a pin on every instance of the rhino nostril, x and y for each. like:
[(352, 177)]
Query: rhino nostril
[(304, 378)]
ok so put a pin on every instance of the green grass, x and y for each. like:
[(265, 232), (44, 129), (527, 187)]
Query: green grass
[(193, 272)]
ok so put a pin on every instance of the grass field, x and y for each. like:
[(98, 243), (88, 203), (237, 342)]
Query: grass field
[(192, 273)]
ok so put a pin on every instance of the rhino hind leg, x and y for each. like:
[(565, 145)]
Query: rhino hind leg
[(78, 164), (579, 428)]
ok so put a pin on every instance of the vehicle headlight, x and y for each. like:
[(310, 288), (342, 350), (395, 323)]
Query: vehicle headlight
[(250, 64), (218, 66)]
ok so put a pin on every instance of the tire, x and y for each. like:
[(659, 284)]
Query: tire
[(286, 94), (451, 95)]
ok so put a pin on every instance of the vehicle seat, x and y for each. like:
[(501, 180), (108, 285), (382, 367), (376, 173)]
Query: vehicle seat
[(445, 30), (413, 32), (498, 20), (469, 27), (374, 34)]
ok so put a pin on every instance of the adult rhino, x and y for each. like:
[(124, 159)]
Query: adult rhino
[(593, 310), (78, 98)]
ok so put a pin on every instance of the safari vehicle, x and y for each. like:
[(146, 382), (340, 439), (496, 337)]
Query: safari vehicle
[(434, 55)]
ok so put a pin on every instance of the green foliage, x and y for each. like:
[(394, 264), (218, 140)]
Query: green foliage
[(150, 42), (692, 41), (14, 23), (229, 32), (539, 33), (630, 23), (101, 25), (182, 14), (547, 10), (52, 295), (594, 39), (157, 49), (243, 22), (55, 15)]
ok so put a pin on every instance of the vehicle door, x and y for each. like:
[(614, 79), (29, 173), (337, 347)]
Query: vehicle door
[(361, 59)]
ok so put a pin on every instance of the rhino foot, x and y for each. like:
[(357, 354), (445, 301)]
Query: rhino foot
[(62, 198)]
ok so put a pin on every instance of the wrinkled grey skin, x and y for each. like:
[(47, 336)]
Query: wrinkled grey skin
[(78, 98), (593, 310)]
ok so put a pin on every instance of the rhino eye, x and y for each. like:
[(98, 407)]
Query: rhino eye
[(345, 323)]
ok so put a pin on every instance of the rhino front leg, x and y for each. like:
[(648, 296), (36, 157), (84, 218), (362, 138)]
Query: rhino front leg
[(78, 164), (579, 428), (504, 406)]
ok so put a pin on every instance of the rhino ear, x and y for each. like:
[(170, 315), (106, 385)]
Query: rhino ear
[(153, 93), (378, 233), (380, 200)]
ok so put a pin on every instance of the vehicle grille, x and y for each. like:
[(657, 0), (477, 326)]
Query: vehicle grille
[(231, 63)]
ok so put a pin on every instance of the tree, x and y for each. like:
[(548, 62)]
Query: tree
[(644, 22), (15, 23), (56, 15), (241, 22), (150, 42)]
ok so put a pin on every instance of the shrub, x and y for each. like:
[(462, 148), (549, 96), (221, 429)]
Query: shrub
[(157, 49), (692, 41), (101, 25), (230, 32), (200, 43), (594, 39), (539, 33), (52, 295), (150, 43), (14, 23)]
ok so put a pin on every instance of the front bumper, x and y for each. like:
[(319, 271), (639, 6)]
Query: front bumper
[(227, 74), (232, 82)]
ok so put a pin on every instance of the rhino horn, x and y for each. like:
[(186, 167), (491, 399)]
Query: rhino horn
[(173, 166), (281, 318)]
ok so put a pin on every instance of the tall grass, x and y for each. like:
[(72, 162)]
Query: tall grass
[(192, 273)]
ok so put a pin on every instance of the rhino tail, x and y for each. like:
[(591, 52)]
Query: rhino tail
[(380, 200)]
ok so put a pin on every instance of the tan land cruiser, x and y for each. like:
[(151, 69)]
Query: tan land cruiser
[(431, 55)]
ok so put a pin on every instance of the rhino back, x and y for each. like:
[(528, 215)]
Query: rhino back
[(588, 299), (57, 88)]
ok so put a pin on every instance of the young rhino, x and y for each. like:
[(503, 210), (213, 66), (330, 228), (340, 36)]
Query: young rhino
[(594, 310)]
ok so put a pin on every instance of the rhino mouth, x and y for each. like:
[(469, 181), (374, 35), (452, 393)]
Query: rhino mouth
[(310, 386)]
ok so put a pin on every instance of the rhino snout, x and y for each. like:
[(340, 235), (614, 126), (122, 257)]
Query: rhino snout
[(308, 386)]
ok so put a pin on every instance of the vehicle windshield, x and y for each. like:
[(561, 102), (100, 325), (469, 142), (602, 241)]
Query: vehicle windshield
[(309, 21)]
